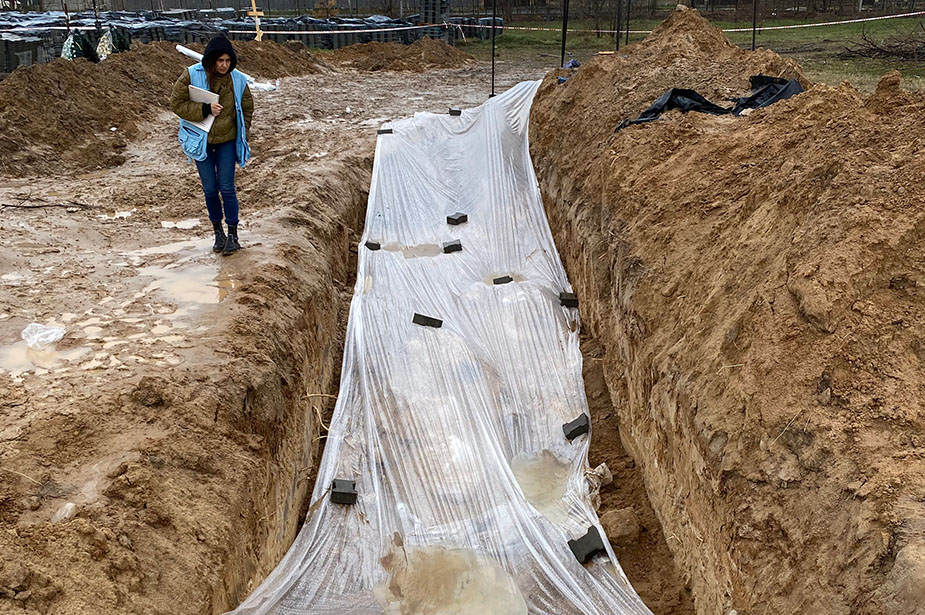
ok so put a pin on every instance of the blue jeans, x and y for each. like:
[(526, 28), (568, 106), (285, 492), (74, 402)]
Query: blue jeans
[(217, 175)]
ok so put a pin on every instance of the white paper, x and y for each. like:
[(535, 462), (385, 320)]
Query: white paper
[(203, 96)]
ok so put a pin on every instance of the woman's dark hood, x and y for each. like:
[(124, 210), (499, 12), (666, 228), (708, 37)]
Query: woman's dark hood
[(216, 47)]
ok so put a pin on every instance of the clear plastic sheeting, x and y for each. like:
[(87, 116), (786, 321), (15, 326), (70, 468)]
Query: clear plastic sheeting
[(468, 490), (39, 336)]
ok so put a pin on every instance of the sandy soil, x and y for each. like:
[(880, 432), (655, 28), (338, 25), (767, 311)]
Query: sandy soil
[(423, 54), (178, 419), (76, 115), (754, 283), (644, 556)]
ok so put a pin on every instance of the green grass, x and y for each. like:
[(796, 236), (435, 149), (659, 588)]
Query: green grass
[(773, 38), (818, 49)]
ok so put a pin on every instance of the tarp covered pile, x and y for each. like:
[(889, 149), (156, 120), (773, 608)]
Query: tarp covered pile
[(180, 27)]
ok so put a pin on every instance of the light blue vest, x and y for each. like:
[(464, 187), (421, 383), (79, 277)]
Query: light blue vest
[(194, 140)]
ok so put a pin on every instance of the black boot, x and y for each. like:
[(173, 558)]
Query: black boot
[(219, 244), (231, 242)]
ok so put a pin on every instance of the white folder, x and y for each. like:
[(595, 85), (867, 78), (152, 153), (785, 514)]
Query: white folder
[(203, 96)]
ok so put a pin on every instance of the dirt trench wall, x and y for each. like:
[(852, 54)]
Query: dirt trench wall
[(756, 283), (200, 474), (282, 409), (282, 425), (297, 317)]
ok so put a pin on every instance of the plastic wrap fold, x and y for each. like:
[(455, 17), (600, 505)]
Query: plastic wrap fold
[(468, 489)]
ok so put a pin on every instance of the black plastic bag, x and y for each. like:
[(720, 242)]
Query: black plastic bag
[(765, 91)]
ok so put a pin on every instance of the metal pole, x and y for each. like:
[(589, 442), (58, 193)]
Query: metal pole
[(628, 22), (494, 27), (617, 22), (754, 21), (564, 31)]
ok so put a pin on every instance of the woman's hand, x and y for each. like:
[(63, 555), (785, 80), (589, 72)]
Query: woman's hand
[(216, 109)]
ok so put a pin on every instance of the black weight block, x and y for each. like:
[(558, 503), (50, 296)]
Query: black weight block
[(452, 246), (577, 427), (457, 218), (569, 300), (344, 491), (373, 245), (427, 321), (505, 279), (455, 112), (384, 131), (587, 546)]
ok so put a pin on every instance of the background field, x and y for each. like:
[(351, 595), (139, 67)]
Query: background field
[(822, 50)]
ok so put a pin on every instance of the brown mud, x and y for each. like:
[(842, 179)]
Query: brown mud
[(423, 54), (158, 460), (754, 285), (183, 439), (77, 115), (441, 581), (643, 554)]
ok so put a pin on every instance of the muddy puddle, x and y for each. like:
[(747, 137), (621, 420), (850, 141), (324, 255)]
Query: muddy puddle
[(185, 225), (190, 283), (440, 581), (544, 481), (117, 215), (189, 245), (18, 358)]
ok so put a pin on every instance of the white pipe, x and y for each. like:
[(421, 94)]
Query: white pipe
[(257, 86)]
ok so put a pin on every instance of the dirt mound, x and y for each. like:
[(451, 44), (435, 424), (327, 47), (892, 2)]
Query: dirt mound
[(269, 60), (754, 280), (684, 51), (59, 116), (368, 56), (421, 55)]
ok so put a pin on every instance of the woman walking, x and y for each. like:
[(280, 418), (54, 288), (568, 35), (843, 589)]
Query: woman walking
[(217, 151)]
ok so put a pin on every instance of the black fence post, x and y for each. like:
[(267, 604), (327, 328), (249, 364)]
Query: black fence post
[(628, 6), (754, 21), (494, 27), (564, 31), (617, 23)]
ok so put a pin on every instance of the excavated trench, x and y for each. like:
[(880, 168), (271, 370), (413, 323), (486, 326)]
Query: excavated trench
[(288, 407), (272, 393)]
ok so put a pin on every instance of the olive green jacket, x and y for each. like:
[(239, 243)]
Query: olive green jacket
[(224, 129)]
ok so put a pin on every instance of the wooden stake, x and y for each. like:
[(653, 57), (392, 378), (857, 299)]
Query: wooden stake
[(256, 15)]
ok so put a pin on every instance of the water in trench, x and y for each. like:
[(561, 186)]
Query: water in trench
[(440, 581)]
